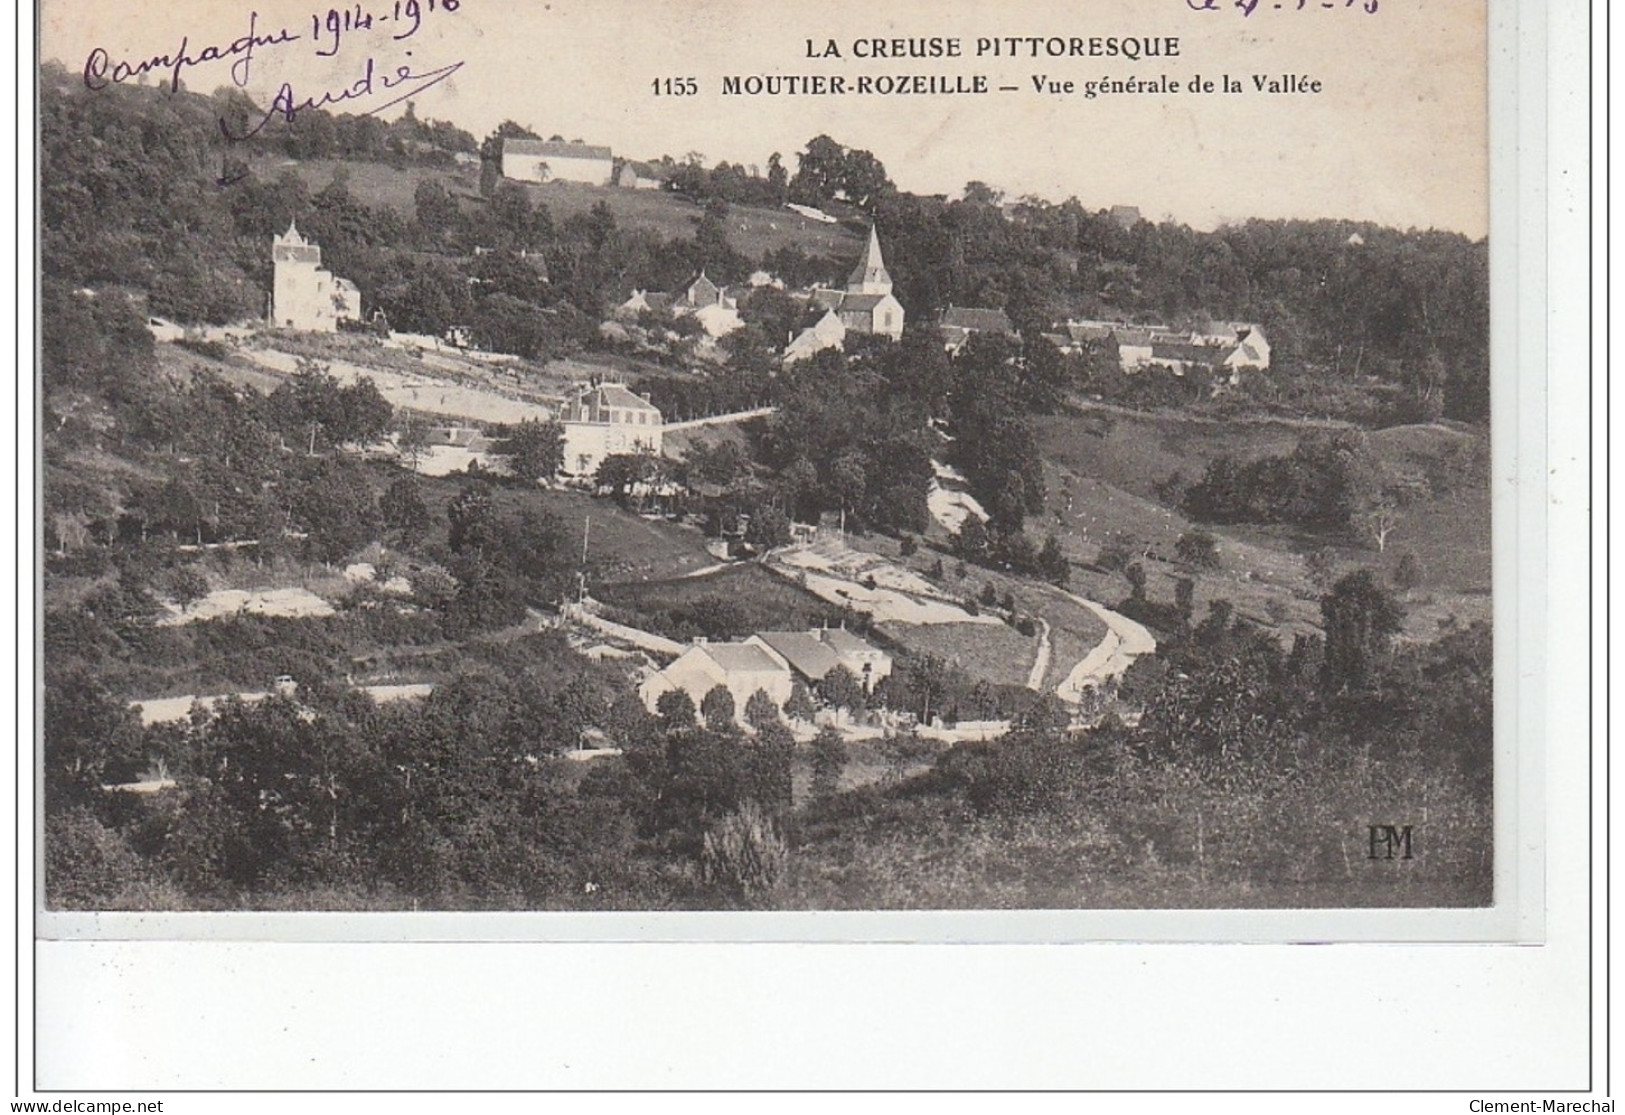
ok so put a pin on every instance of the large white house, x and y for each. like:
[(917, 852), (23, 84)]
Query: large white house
[(605, 419), (303, 294), (537, 160)]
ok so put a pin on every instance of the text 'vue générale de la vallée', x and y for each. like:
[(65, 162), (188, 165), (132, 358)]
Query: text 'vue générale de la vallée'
[(877, 66)]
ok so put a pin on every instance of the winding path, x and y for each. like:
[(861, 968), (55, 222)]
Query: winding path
[(1035, 677), (1125, 641)]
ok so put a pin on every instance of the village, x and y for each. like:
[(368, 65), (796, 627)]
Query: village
[(513, 523), (601, 420)]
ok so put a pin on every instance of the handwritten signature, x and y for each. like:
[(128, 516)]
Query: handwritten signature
[(404, 83), (1247, 7)]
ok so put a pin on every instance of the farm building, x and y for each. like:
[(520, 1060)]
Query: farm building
[(813, 654), (769, 661), (741, 668), (536, 160)]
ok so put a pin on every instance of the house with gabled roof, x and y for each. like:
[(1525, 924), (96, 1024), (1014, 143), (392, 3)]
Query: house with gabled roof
[(770, 661), (713, 306), (960, 323), (825, 330), (739, 667), (813, 654), (1252, 348)]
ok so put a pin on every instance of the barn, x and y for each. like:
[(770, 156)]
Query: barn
[(536, 160)]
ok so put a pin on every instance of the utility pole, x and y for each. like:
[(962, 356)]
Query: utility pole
[(586, 533)]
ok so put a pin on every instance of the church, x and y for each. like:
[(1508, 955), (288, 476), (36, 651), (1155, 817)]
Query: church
[(304, 296), (867, 305)]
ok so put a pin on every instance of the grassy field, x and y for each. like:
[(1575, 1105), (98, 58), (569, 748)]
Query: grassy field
[(1102, 468), (751, 231), (999, 654), (1074, 630), (733, 603), (621, 546)]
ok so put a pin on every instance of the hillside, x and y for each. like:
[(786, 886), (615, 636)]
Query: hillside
[(752, 231), (1104, 468)]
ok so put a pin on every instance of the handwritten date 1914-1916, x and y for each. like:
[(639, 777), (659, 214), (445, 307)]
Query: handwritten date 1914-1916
[(328, 28)]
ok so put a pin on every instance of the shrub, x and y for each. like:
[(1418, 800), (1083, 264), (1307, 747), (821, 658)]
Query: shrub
[(1117, 551), (1407, 572), (1198, 548), (743, 856)]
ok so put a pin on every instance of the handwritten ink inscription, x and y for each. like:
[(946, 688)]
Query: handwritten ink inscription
[(1248, 7), (329, 32), (287, 104)]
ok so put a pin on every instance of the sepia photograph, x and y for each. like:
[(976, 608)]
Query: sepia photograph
[(642, 457)]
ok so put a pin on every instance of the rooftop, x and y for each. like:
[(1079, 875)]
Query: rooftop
[(741, 658), (552, 149), (977, 320)]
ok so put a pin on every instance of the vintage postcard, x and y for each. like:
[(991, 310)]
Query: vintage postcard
[(1019, 471)]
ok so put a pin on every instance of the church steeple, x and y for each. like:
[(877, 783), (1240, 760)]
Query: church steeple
[(870, 276)]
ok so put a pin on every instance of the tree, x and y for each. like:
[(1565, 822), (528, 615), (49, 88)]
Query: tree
[(335, 506), (1136, 580), (472, 520), (1321, 568), (1185, 598), (768, 528), (363, 413), (1361, 619), (828, 761), (972, 540), (1383, 508), (435, 208), (778, 180), (799, 706), (412, 439), (535, 449), (841, 689), (676, 708), (820, 170), (188, 584), (760, 711), (404, 510), (744, 856), (1052, 563), (718, 709), (1407, 573)]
